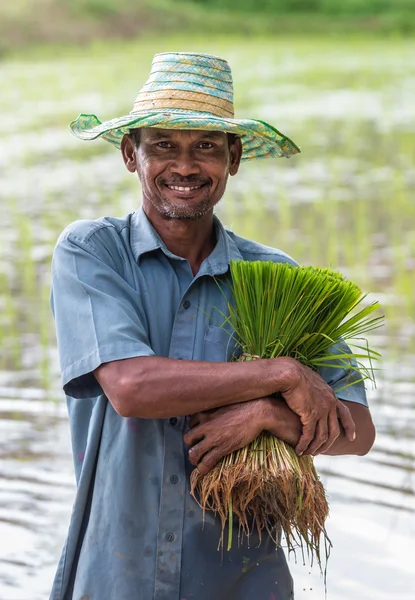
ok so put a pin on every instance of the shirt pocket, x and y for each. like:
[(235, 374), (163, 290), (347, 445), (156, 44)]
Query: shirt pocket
[(219, 344)]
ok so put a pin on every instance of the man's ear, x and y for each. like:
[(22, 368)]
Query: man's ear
[(235, 156), (128, 153)]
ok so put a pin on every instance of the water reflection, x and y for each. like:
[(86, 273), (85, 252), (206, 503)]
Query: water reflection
[(37, 487)]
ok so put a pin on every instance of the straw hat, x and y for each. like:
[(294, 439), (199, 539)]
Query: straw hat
[(189, 91)]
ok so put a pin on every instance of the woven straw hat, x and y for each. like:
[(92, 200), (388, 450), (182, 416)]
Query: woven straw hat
[(189, 91)]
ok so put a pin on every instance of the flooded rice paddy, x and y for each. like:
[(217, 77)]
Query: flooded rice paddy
[(346, 202)]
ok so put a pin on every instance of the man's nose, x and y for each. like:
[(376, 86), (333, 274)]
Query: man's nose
[(185, 164)]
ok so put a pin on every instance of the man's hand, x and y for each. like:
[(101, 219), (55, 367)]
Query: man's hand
[(216, 433), (321, 413)]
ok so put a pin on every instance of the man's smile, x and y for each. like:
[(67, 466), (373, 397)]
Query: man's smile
[(185, 191), (180, 188)]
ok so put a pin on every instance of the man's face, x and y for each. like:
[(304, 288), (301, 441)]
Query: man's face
[(183, 174)]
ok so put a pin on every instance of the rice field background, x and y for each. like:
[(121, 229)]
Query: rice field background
[(346, 202)]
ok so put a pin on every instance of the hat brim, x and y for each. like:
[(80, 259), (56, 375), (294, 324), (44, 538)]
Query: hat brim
[(259, 139)]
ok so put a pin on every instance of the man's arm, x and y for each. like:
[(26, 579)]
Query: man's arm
[(218, 433), (154, 388), (158, 388)]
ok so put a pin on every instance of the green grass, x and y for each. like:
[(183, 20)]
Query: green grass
[(28, 23), (329, 7)]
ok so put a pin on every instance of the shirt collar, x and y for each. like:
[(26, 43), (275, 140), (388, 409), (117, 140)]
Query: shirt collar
[(144, 238)]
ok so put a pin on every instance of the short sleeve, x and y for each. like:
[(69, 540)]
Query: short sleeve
[(345, 382), (97, 314)]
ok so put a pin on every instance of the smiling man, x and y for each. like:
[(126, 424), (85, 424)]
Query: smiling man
[(213, 156), (146, 368)]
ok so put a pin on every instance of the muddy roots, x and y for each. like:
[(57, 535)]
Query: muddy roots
[(268, 488)]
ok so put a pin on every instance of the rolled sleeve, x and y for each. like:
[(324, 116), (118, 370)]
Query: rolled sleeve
[(345, 382), (97, 314)]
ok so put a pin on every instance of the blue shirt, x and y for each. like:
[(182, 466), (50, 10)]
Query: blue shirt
[(135, 531)]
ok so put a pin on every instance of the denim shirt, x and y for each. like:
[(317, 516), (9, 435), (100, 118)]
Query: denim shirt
[(135, 532)]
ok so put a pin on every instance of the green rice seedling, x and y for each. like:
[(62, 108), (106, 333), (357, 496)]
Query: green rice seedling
[(301, 312)]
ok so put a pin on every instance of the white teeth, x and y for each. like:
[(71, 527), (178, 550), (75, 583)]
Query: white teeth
[(179, 188)]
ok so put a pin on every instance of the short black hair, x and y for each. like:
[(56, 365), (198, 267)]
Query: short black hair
[(135, 135), (231, 138)]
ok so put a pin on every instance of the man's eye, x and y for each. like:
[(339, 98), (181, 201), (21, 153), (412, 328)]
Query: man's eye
[(164, 144), (206, 145)]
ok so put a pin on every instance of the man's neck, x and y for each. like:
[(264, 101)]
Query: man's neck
[(192, 240)]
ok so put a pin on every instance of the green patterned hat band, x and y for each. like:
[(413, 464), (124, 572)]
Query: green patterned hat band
[(187, 90)]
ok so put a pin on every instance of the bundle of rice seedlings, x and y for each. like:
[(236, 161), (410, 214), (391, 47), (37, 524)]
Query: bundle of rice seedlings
[(301, 312)]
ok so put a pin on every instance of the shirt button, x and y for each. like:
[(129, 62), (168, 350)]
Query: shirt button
[(186, 304), (170, 537), (174, 479), (173, 421)]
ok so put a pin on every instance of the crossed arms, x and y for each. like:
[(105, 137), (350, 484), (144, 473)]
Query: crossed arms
[(231, 403)]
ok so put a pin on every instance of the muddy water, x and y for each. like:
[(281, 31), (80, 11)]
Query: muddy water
[(347, 202)]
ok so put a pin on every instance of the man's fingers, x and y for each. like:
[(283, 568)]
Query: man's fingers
[(333, 434), (194, 420), (201, 417), (346, 420), (320, 437), (193, 436), (209, 461), (197, 451), (306, 438)]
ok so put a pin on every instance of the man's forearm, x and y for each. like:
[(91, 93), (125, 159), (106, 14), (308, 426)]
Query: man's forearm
[(154, 387)]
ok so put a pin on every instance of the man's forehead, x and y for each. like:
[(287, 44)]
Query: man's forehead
[(157, 133)]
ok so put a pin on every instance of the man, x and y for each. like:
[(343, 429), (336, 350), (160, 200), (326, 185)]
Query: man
[(145, 363)]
